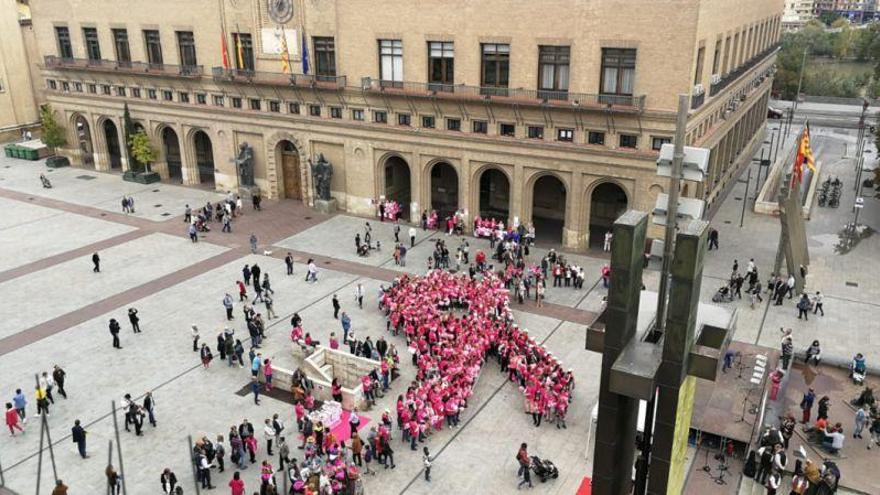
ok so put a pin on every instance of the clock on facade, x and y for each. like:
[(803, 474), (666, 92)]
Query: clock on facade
[(280, 11)]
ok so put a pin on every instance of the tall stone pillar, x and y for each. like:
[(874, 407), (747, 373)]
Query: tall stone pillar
[(464, 194), (417, 196), (188, 167), (517, 193), (616, 433)]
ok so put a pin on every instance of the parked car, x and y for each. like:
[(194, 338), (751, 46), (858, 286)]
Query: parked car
[(774, 113)]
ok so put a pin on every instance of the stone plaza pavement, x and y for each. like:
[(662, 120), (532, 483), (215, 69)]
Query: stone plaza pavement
[(56, 312)]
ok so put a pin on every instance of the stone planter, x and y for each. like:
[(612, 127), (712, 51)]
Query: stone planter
[(141, 177)]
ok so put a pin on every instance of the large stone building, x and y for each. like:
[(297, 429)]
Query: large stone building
[(548, 112), (18, 106), (797, 13)]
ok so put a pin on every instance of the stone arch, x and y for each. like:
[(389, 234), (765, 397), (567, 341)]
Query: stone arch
[(82, 140), (170, 151), (479, 193), (200, 149), (113, 142), (606, 199), (394, 181), (443, 181), (275, 167), (543, 207)]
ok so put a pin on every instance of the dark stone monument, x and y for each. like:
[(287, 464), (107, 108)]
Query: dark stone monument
[(322, 173), (244, 163)]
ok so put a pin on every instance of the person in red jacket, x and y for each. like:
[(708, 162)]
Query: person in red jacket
[(12, 419), (525, 463)]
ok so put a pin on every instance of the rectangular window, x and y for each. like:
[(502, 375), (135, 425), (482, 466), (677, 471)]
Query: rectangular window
[(167, 95), (404, 119), (508, 130), (618, 72), (135, 92), (183, 97), (93, 47), (726, 55), (594, 137), (275, 106), (495, 72), (65, 86), (698, 72), (453, 124), (325, 57), (536, 132), (716, 58), (154, 47), (217, 100), (335, 112), (120, 91), (77, 86), (186, 44), (658, 142), (441, 65), (105, 89), (201, 98), (120, 42), (391, 63), (481, 127), (629, 141), (315, 110), (236, 102), (293, 108), (243, 52), (428, 121), (65, 49), (52, 84), (151, 94), (553, 71), (565, 135), (380, 117), (357, 114), (254, 103), (93, 89)]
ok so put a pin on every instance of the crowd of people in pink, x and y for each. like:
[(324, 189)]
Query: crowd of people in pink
[(452, 325)]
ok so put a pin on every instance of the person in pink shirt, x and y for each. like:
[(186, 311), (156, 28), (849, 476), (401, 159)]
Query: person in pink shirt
[(334, 342), (236, 484), (300, 413), (267, 372)]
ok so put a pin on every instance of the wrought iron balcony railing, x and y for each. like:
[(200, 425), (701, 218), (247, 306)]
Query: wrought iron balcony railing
[(733, 75), (166, 70), (221, 74)]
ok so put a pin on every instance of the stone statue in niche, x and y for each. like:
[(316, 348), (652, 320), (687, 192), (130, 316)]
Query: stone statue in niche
[(322, 172), (244, 161)]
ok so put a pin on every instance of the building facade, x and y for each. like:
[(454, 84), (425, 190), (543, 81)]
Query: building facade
[(18, 106), (856, 11), (797, 13), (550, 113)]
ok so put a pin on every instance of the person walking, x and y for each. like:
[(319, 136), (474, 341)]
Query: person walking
[(228, 304), (59, 375), (96, 261), (346, 326), (606, 246), (236, 484), (168, 480), (803, 306), (253, 242), (114, 481), (114, 331), (807, 405), (12, 419), (359, 295), (255, 389), (818, 304), (20, 403), (522, 456), (270, 307), (194, 331), (150, 408), (312, 274), (134, 319), (861, 420), (288, 260), (48, 384), (206, 356), (336, 307), (713, 239), (193, 233), (78, 435), (227, 224), (187, 214), (60, 488)]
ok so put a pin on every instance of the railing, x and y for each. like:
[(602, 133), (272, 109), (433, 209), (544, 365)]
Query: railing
[(733, 75), (697, 100), (505, 95), (222, 74), (53, 62)]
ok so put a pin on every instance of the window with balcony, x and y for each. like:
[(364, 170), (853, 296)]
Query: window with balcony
[(186, 45), (93, 89), (565, 135), (255, 104), (335, 112), (167, 95), (51, 84), (441, 65), (217, 100), (553, 71), (65, 49), (93, 46), (65, 86), (120, 91), (481, 127), (244, 52), (151, 94), (508, 130), (78, 87), (120, 42), (428, 121), (183, 97), (357, 114), (135, 92), (275, 106), (453, 124), (596, 137), (535, 132), (315, 110), (629, 141), (380, 117), (293, 108), (698, 72), (236, 102), (201, 99), (404, 119), (495, 71), (325, 56), (106, 89), (154, 47), (658, 142), (391, 62), (618, 73)]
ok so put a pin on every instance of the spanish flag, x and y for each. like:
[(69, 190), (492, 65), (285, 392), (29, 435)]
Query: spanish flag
[(224, 52), (285, 54)]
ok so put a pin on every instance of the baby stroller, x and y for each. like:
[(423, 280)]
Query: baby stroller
[(545, 469), (724, 294)]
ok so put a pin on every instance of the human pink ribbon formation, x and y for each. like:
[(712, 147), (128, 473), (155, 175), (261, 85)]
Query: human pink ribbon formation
[(452, 324)]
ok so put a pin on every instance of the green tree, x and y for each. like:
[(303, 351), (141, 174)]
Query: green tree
[(53, 133), (828, 18), (142, 149), (128, 131)]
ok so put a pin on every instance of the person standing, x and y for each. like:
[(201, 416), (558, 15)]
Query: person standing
[(861, 420), (20, 403), (114, 331), (312, 271), (228, 304), (359, 295), (253, 242), (12, 419), (522, 456), (268, 435), (346, 326), (236, 484), (426, 460), (187, 214), (807, 405), (336, 307), (48, 383), (78, 435), (60, 488), (255, 274), (288, 260), (134, 319), (396, 232), (168, 480), (59, 376), (765, 463), (412, 237), (803, 306), (220, 454), (150, 408), (255, 388), (606, 246), (194, 331), (193, 233), (818, 303), (713, 239), (96, 260)]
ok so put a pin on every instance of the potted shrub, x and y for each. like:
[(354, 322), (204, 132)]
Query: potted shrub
[(53, 137), (143, 151)]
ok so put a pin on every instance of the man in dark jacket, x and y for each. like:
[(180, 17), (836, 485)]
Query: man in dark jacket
[(78, 434), (114, 331), (168, 481), (134, 319)]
